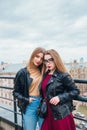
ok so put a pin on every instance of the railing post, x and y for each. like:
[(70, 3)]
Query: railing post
[(15, 114)]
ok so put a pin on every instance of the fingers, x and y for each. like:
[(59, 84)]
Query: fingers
[(31, 99), (54, 100)]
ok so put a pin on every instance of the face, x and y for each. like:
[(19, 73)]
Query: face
[(38, 59), (49, 62)]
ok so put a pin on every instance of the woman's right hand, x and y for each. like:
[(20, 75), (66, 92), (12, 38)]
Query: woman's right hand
[(55, 100), (31, 99)]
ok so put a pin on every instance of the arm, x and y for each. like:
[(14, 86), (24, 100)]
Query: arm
[(71, 90), (18, 86)]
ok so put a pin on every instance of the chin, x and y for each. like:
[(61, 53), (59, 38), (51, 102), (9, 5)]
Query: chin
[(36, 65)]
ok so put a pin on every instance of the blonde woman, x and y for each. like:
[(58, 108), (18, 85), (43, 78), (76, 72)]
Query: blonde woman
[(26, 89), (59, 90)]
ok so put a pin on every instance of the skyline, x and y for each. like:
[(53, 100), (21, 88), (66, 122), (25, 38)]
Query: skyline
[(52, 24)]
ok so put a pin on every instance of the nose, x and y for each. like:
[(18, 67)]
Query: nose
[(39, 60), (47, 62)]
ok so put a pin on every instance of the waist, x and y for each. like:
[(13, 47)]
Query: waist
[(34, 96)]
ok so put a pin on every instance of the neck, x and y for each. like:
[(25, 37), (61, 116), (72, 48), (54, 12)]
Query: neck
[(51, 71)]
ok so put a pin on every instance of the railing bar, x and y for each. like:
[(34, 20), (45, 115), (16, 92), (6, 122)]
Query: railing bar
[(16, 124), (81, 98), (15, 114), (2, 87), (83, 81), (10, 110), (6, 98), (7, 77), (6, 109), (79, 118), (76, 80)]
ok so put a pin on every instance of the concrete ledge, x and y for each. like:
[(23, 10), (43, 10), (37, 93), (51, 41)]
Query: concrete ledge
[(7, 125)]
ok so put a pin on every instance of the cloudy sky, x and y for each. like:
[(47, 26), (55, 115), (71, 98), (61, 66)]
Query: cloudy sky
[(57, 24)]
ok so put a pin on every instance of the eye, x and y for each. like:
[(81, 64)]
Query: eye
[(37, 56), (51, 59)]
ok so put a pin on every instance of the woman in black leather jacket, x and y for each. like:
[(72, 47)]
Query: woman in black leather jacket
[(26, 89), (59, 89)]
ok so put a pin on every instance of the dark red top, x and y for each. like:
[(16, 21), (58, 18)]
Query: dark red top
[(44, 83)]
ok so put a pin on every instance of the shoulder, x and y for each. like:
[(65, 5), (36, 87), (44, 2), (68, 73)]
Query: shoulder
[(62, 74), (22, 72), (65, 75), (67, 79)]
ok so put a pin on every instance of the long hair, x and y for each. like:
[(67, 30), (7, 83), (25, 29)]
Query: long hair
[(57, 60), (36, 72)]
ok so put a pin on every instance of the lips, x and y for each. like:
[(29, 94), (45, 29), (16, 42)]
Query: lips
[(49, 67), (37, 63)]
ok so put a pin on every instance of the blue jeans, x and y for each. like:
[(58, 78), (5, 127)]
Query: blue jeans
[(30, 118)]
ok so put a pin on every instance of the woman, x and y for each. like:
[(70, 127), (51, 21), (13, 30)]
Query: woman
[(59, 89), (26, 89)]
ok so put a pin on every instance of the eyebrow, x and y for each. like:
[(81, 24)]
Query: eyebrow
[(49, 58)]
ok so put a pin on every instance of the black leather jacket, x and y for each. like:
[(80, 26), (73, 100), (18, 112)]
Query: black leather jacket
[(22, 82), (63, 86)]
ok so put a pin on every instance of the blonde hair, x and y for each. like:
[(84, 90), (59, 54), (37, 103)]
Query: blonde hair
[(36, 72), (57, 60)]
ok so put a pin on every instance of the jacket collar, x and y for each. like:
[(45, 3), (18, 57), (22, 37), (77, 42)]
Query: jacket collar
[(56, 73)]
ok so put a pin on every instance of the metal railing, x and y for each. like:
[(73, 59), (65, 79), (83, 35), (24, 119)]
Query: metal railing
[(14, 103), (80, 98)]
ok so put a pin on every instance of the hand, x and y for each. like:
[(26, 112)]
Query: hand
[(31, 99), (55, 100)]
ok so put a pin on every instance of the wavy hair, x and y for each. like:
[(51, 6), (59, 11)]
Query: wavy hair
[(36, 72)]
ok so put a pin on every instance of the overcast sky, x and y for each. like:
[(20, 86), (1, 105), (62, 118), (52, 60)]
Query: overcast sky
[(57, 24)]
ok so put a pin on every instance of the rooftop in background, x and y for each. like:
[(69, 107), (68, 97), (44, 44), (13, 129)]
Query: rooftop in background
[(12, 68)]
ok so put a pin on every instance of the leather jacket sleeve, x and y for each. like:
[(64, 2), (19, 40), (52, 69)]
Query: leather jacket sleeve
[(18, 87), (71, 91)]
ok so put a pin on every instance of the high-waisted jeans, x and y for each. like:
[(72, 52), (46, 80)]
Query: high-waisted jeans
[(30, 118)]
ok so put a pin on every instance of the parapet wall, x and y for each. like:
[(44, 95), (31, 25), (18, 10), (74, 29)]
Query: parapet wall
[(7, 125)]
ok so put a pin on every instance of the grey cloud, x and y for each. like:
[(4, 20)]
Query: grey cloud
[(49, 23), (10, 34)]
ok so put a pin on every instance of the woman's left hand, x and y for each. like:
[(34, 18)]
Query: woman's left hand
[(55, 100)]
